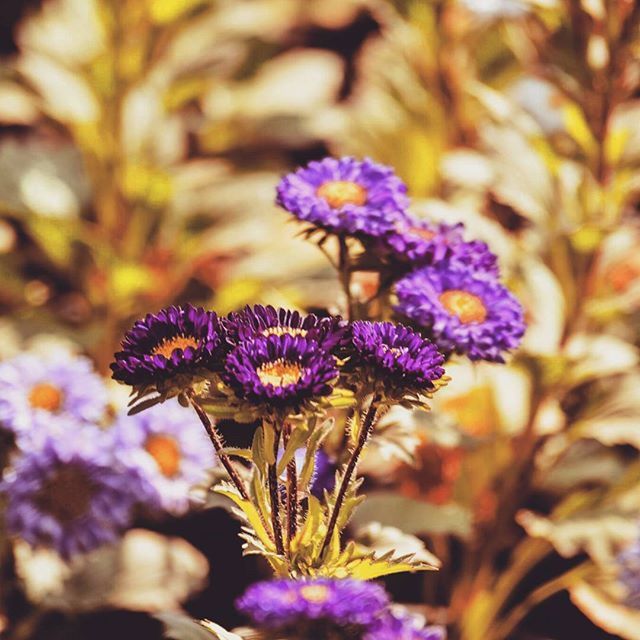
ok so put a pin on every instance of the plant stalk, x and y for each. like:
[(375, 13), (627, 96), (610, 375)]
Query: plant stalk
[(275, 497)]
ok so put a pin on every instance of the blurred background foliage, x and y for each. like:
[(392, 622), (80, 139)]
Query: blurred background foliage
[(140, 144)]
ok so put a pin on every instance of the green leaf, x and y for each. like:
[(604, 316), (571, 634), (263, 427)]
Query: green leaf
[(298, 437)]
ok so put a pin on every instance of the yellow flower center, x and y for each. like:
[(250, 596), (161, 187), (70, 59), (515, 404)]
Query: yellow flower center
[(337, 193), (169, 345), (468, 307), (316, 593), (279, 373), (166, 452), (281, 331), (67, 494), (46, 396)]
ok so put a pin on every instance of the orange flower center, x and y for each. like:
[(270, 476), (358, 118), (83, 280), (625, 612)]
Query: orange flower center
[(169, 345), (67, 494), (281, 331), (465, 305), (279, 373), (166, 452), (45, 396), (337, 193), (316, 593)]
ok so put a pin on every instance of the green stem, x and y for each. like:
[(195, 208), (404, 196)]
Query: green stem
[(344, 268), (292, 493), (275, 497)]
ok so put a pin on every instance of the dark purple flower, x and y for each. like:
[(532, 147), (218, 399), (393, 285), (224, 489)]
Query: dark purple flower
[(345, 196), (168, 349), (324, 478), (256, 321), (403, 626), (628, 562), (279, 372), (311, 608), (464, 312), (395, 359), (69, 494)]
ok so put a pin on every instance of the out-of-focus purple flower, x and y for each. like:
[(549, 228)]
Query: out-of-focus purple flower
[(395, 625), (628, 562), (166, 351), (258, 320), (69, 494), (309, 608), (324, 478), (345, 196), (395, 359), (169, 448), (462, 311), (279, 372), (60, 387)]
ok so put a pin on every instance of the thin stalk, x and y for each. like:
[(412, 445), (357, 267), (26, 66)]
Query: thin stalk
[(275, 497), (365, 431), (344, 268), (292, 492)]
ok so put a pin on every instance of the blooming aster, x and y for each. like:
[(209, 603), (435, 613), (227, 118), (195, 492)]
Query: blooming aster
[(168, 350), (258, 320), (279, 372), (403, 626), (395, 359), (35, 389), (170, 450), (69, 495), (314, 609), (345, 196), (463, 311), (628, 562)]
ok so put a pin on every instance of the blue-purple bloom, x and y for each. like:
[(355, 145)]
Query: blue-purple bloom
[(69, 494), (404, 626), (35, 389), (314, 606), (395, 359), (628, 561), (345, 196), (279, 372), (170, 450), (168, 350), (463, 312)]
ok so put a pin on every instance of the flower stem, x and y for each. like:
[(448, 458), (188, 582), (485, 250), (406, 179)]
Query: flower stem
[(275, 497), (365, 431), (292, 493), (344, 269), (218, 445)]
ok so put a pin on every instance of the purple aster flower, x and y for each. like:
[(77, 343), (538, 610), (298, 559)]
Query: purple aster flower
[(395, 359), (36, 389), (280, 372), (463, 312), (256, 321), (314, 609), (324, 478), (396, 625), (170, 450), (628, 562), (169, 350), (69, 495), (345, 196)]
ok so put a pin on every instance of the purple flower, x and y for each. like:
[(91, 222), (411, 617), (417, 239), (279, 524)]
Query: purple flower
[(279, 372), (36, 390), (256, 321), (345, 196), (69, 494), (169, 448), (168, 350), (403, 626), (314, 608), (464, 312), (628, 562), (396, 359), (324, 478)]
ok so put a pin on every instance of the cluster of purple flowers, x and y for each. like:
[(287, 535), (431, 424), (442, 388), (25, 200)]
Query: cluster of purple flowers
[(325, 608)]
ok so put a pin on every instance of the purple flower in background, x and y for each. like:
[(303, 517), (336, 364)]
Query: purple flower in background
[(393, 357), (628, 562), (345, 196), (324, 478), (168, 349), (280, 372), (69, 495), (169, 448), (256, 321), (311, 608), (404, 626), (36, 390), (463, 312)]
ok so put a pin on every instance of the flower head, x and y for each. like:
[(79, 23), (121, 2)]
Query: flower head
[(279, 372), (464, 312), (256, 321), (168, 350), (69, 495), (36, 389), (169, 448), (314, 608), (345, 196), (395, 359), (396, 625)]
